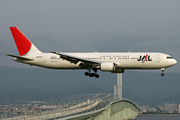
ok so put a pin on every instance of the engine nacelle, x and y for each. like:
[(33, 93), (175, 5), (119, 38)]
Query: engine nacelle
[(117, 70), (107, 66), (80, 65)]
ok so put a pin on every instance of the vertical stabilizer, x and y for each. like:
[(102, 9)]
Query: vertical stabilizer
[(24, 45)]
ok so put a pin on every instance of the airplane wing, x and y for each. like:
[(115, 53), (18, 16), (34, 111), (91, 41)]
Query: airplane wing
[(75, 60), (19, 57)]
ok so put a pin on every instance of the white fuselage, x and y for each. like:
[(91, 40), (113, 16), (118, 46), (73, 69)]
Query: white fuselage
[(110, 62), (123, 60)]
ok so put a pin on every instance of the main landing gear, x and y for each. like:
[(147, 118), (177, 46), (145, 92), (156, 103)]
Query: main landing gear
[(162, 69), (92, 74)]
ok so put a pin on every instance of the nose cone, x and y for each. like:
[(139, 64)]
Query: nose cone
[(174, 62)]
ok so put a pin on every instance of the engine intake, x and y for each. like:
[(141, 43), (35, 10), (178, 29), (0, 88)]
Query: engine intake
[(81, 65)]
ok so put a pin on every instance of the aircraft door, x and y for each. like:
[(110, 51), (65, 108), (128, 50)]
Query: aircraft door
[(44, 59), (157, 58)]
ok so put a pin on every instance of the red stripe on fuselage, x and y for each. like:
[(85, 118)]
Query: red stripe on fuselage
[(146, 58), (22, 42)]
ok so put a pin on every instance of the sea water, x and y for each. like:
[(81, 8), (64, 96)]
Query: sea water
[(158, 118)]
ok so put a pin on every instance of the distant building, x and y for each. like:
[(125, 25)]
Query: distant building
[(167, 107), (170, 107)]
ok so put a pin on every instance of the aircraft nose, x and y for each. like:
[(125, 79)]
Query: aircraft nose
[(174, 62)]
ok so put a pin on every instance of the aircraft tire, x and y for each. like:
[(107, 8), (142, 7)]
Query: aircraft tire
[(162, 74), (96, 76), (93, 74), (86, 73), (90, 75)]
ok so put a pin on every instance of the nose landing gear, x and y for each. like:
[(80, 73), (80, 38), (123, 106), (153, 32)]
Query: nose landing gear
[(162, 69), (162, 74)]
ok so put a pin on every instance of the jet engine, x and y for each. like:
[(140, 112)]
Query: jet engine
[(81, 65), (107, 66)]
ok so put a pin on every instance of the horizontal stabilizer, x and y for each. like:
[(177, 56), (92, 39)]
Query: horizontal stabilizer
[(19, 57)]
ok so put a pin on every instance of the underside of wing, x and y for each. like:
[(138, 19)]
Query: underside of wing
[(75, 59)]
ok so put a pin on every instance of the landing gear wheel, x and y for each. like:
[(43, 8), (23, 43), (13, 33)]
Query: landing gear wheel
[(96, 76), (162, 70), (90, 75), (93, 74), (86, 73), (162, 74)]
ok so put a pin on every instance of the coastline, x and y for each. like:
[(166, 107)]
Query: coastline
[(159, 115)]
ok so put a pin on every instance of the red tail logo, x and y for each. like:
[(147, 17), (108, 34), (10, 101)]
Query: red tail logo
[(22, 42)]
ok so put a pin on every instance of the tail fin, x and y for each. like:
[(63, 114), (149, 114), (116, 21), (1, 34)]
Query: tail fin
[(24, 45)]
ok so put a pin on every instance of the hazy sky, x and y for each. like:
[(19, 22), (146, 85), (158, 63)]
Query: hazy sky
[(92, 26)]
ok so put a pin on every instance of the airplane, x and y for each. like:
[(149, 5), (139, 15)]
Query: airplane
[(114, 62)]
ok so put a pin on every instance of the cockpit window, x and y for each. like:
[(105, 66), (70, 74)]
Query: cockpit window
[(169, 57)]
